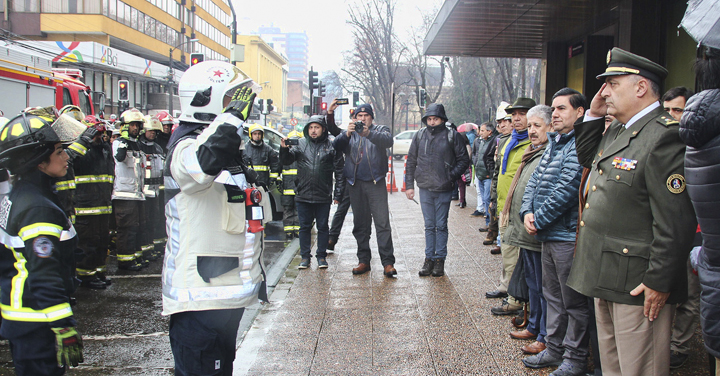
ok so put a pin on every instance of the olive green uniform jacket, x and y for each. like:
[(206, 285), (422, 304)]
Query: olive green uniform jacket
[(638, 222), (515, 234)]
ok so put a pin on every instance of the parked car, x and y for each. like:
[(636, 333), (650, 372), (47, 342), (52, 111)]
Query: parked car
[(402, 144)]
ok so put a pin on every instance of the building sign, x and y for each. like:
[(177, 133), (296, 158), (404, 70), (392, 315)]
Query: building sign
[(102, 56)]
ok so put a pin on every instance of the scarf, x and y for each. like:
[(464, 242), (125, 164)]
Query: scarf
[(529, 153), (514, 140)]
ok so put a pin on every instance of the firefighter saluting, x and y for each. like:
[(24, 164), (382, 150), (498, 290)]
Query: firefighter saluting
[(213, 257), (37, 244)]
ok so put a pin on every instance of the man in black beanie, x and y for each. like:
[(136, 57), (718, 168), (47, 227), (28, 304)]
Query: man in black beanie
[(364, 145)]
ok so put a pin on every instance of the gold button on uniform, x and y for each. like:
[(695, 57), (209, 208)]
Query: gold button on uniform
[(594, 188), (587, 206), (582, 223), (600, 172), (617, 177), (625, 250)]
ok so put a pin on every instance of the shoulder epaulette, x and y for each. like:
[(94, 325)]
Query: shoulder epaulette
[(668, 120)]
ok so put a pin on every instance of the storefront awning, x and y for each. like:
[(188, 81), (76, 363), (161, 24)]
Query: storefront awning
[(505, 28)]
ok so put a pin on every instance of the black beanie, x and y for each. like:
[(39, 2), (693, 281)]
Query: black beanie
[(365, 107)]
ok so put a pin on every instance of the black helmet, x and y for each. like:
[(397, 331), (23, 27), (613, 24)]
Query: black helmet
[(27, 139)]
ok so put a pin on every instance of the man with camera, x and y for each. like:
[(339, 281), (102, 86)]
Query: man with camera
[(317, 160), (364, 145)]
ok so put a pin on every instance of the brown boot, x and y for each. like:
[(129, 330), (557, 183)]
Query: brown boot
[(491, 237)]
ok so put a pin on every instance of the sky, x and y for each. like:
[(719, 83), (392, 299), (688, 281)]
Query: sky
[(324, 21)]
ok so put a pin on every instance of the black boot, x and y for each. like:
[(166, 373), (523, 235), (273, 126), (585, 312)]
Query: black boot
[(427, 268), (439, 268)]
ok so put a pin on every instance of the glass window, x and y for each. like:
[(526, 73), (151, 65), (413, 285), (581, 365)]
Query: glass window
[(84, 102), (112, 9), (160, 31), (134, 18), (150, 26), (141, 22), (92, 6), (125, 14), (67, 99)]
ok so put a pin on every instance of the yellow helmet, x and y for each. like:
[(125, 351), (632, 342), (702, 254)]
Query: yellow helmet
[(73, 111), (295, 134), (256, 127), (152, 124), (132, 115)]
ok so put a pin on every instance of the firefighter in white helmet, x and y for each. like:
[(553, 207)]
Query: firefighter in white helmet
[(213, 261), (128, 196)]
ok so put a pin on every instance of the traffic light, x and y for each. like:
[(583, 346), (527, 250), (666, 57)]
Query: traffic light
[(422, 101), (313, 82), (318, 105), (270, 107), (356, 98), (323, 106), (123, 87), (321, 89), (196, 58)]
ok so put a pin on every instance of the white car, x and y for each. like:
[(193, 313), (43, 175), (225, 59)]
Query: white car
[(402, 144)]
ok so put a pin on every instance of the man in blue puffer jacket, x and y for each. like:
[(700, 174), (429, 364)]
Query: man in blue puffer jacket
[(550, 211)]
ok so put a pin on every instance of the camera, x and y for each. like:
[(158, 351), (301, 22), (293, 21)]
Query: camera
[(359, 127), (292, 141)]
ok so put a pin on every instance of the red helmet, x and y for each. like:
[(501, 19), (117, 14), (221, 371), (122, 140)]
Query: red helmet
[(92, 121), (164, 117)]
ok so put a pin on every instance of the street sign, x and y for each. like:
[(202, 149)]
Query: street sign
[(293, 122)]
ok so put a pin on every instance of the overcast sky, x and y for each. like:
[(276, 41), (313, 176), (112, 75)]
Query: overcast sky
[(324, 21)]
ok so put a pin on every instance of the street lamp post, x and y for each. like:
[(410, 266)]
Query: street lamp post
[(407, 107), (171, 74)]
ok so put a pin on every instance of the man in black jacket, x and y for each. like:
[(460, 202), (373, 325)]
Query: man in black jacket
[(316, 160), (437, 157), (365, 168)]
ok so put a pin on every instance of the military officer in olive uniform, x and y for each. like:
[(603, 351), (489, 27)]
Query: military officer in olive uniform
[(637, 224)]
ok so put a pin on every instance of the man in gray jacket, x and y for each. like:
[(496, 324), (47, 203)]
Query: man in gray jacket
[(483, 176), (437, 157)]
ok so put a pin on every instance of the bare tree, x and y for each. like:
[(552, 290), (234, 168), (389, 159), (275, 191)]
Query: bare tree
[(372, 65)]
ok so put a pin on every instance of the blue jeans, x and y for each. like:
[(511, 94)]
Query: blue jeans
[(538, 306), (307, 212), (483, 197), (435, 208)]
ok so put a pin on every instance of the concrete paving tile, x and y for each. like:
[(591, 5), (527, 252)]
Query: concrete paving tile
[(283, 362), (343, 362)]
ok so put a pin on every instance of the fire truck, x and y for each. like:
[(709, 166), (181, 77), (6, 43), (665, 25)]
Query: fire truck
[(30, 81)]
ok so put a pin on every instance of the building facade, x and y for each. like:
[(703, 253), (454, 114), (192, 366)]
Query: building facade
[(294, 46), (133, 40)]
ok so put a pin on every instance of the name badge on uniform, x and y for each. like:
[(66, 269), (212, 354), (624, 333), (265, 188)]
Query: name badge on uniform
[(624, 163)]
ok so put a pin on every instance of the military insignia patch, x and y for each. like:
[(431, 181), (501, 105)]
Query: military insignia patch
[(676, 183), (624, 163), (42, 247)]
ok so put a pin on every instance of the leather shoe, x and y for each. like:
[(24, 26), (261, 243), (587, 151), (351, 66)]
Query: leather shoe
[(495, 294), (533, 348), (361, 268), (491, 237), (483, 229), (389, 270), (496, 251), (541, 360), (523, 334)]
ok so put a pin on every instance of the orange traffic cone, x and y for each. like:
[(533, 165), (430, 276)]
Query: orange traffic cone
[(404, 174), (390, 177)]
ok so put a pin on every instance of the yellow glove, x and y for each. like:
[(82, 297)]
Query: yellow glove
[(69, 346), (241, 103)]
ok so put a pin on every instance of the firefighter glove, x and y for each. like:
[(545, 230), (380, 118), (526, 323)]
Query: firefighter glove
[(69, 346), (241, 103), (88, 135)]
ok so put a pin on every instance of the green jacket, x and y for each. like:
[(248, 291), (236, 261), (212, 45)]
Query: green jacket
[(505, 180), (515, 234), (638, 223)]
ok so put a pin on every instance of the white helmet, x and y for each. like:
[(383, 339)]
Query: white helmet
[(500, 114), (203, 86), (152, 124)]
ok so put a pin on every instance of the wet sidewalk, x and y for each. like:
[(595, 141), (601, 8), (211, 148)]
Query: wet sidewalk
[(324, 322)]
